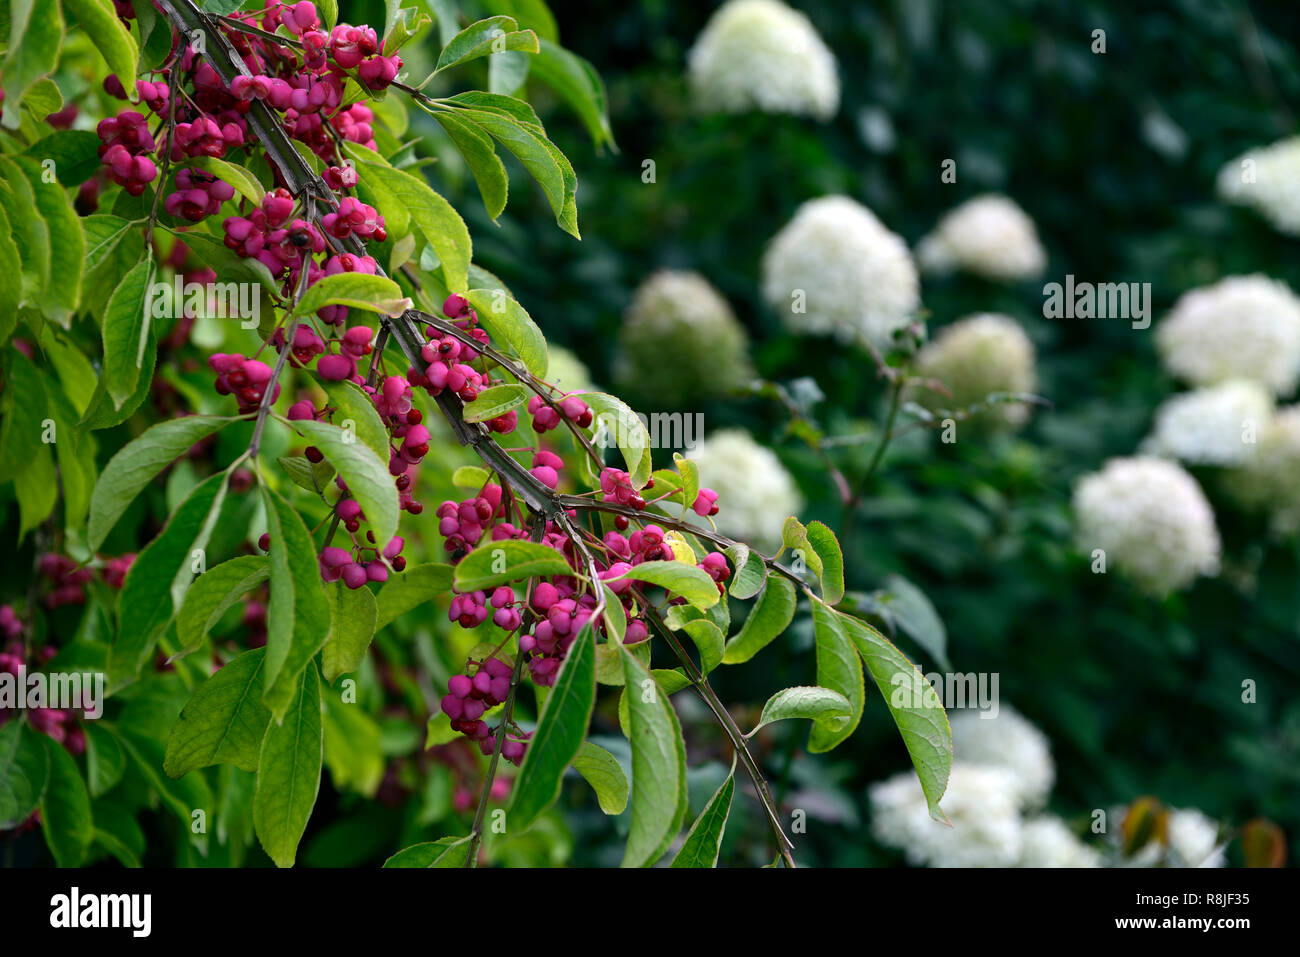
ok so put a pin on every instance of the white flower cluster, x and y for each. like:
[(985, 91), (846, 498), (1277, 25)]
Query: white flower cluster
[(1270, 479), (1009, 742), (755, 492), (1046, 842), (762, 55), (1151, 520), (1268, 180), (976, 356), (981, 804), (1216, 425), (1194, 839), (1242, 327), (990, 236), (1002, 768), (835, 269), (681, 339)]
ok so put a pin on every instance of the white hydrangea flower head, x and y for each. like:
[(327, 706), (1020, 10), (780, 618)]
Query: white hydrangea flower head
[(835, 269), (990, 236), (1242, 327), (1194, 839), (755, 492), (1151, 520), (982, 804), (681, 339), (762, 55), (1008, 741), (1270, 479), (566, 371), (1216, 425), (976, 356), (1267, 179), (1047, 842)]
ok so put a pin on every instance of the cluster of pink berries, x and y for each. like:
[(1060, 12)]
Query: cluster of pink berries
[(363, 564), (469, 698), (56, 723), (245, 379), (68, 580)]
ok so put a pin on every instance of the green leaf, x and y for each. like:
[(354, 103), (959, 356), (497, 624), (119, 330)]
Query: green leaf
[(100, 20), (31, 234), (514, 124), (839, 669), (241, 180), (36, 487), (11, 278), (353, 612), (770, 616), (561, 729), (67, 245), (679, 579), (531, 14), (827, 547), (431, 215), (704, 839), (915, 615), (223, 722), (23, 770), (507, 323), (410, 589), (65, 809), (23, 403), (157, 580), (817, 704), (355, 406), (602, 771), (578, 84), (658, 767), (355, 290), (795, 537), (298, 614), (366, 475), (444, 852), (615, 420), (126, 332), (915, 706), (489, 35), (495, 563), (748, 571), (76, 158), (311, 476), (507, 71), (135, 466), (35, 36), (495, 401), (481, 158), (470, 477), (183, 796), (353, 746), (709, 640), (288, 773), (213, 593), (105, 760)]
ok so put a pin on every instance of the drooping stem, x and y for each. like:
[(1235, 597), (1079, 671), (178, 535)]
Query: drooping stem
[(476, 835), (700, 684), (896, 385)]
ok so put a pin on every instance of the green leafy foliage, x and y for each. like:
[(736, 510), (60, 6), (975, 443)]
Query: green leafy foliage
[(561, 729), (658, 767), (288, 772)]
